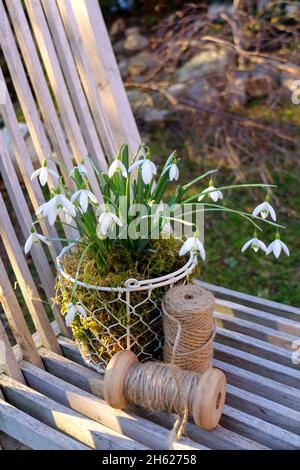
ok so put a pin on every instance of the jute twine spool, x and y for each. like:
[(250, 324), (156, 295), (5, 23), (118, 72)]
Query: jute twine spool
[(189, 328), (159, 386)]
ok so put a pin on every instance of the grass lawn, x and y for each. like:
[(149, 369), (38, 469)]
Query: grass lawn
[(252, 273)]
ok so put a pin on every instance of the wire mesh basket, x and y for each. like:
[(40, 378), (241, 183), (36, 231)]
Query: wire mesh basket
[(124, 317)]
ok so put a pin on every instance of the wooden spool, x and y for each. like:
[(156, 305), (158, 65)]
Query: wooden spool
[(208, 401)]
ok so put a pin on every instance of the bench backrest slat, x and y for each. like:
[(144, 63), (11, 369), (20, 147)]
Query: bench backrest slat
[(25, 280), (16, 319), (70, 93), (7, 357)]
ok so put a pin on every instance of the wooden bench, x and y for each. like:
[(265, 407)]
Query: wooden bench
[(49, 399)]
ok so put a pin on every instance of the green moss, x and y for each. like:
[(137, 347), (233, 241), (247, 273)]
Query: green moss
[(104, 331)]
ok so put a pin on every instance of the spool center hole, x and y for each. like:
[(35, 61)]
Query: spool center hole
[(218, 400), (188, 296)]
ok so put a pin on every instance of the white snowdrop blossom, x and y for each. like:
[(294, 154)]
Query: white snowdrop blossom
[(214, 193), (255, 244), (148, 169), (84, 195), (107, 220), (34, 238), (264, 210), (57, 204), (43, 174), (81, 170), (173, 171), (72, 311), (192, 244), (117, 165), (276, 246)]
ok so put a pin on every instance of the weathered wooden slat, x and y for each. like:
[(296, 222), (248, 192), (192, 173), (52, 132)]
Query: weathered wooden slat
[(263, 408), (25, 220), (71, 351), (219, 438), (23, 90), (7, 357), (255, 346), (86, 76), (246, 380), (32, 432), (37, 78), (25, 280), (277, 308), (57, 81), (25, 164), (64, 419), (37, 342), (270, 320), (92, 382), (254, 363), (77, 94), (16, 319), (254, 330), (99, 51), (258, 429), (131, 425)]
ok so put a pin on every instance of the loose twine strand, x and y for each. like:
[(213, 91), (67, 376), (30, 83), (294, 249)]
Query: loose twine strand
[(166, 386)]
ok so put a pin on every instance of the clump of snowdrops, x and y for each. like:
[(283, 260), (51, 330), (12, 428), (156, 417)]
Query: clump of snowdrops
[(102, 225)]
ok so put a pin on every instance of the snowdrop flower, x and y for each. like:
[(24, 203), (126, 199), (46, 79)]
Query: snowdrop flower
[(214, 193), (81, 170), (193, 244), (74, 309), (117, 165), (255, 244), (148, 169), (34, 238), (173, 171), (43, 174), (265, 209), (107, 220), (84, 195), (276, 246), (53, 208)]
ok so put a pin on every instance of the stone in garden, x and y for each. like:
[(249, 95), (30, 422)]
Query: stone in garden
[(118, 47), (290, 84), (118, 27), (138, 99), (154, 116), (236, 89), (123, 67), (215, 9), (141, 62), (134, 40), (178, 90), (209, 61), (259, 83), (202, 92), (292, 10)]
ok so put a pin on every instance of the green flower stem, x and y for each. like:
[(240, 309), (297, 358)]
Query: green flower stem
[(78, 268), (199, 178), (244, 214), (69, 240), (233, 186)]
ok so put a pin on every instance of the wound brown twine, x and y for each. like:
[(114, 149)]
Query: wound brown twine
[(159, 387), (189, 327)]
